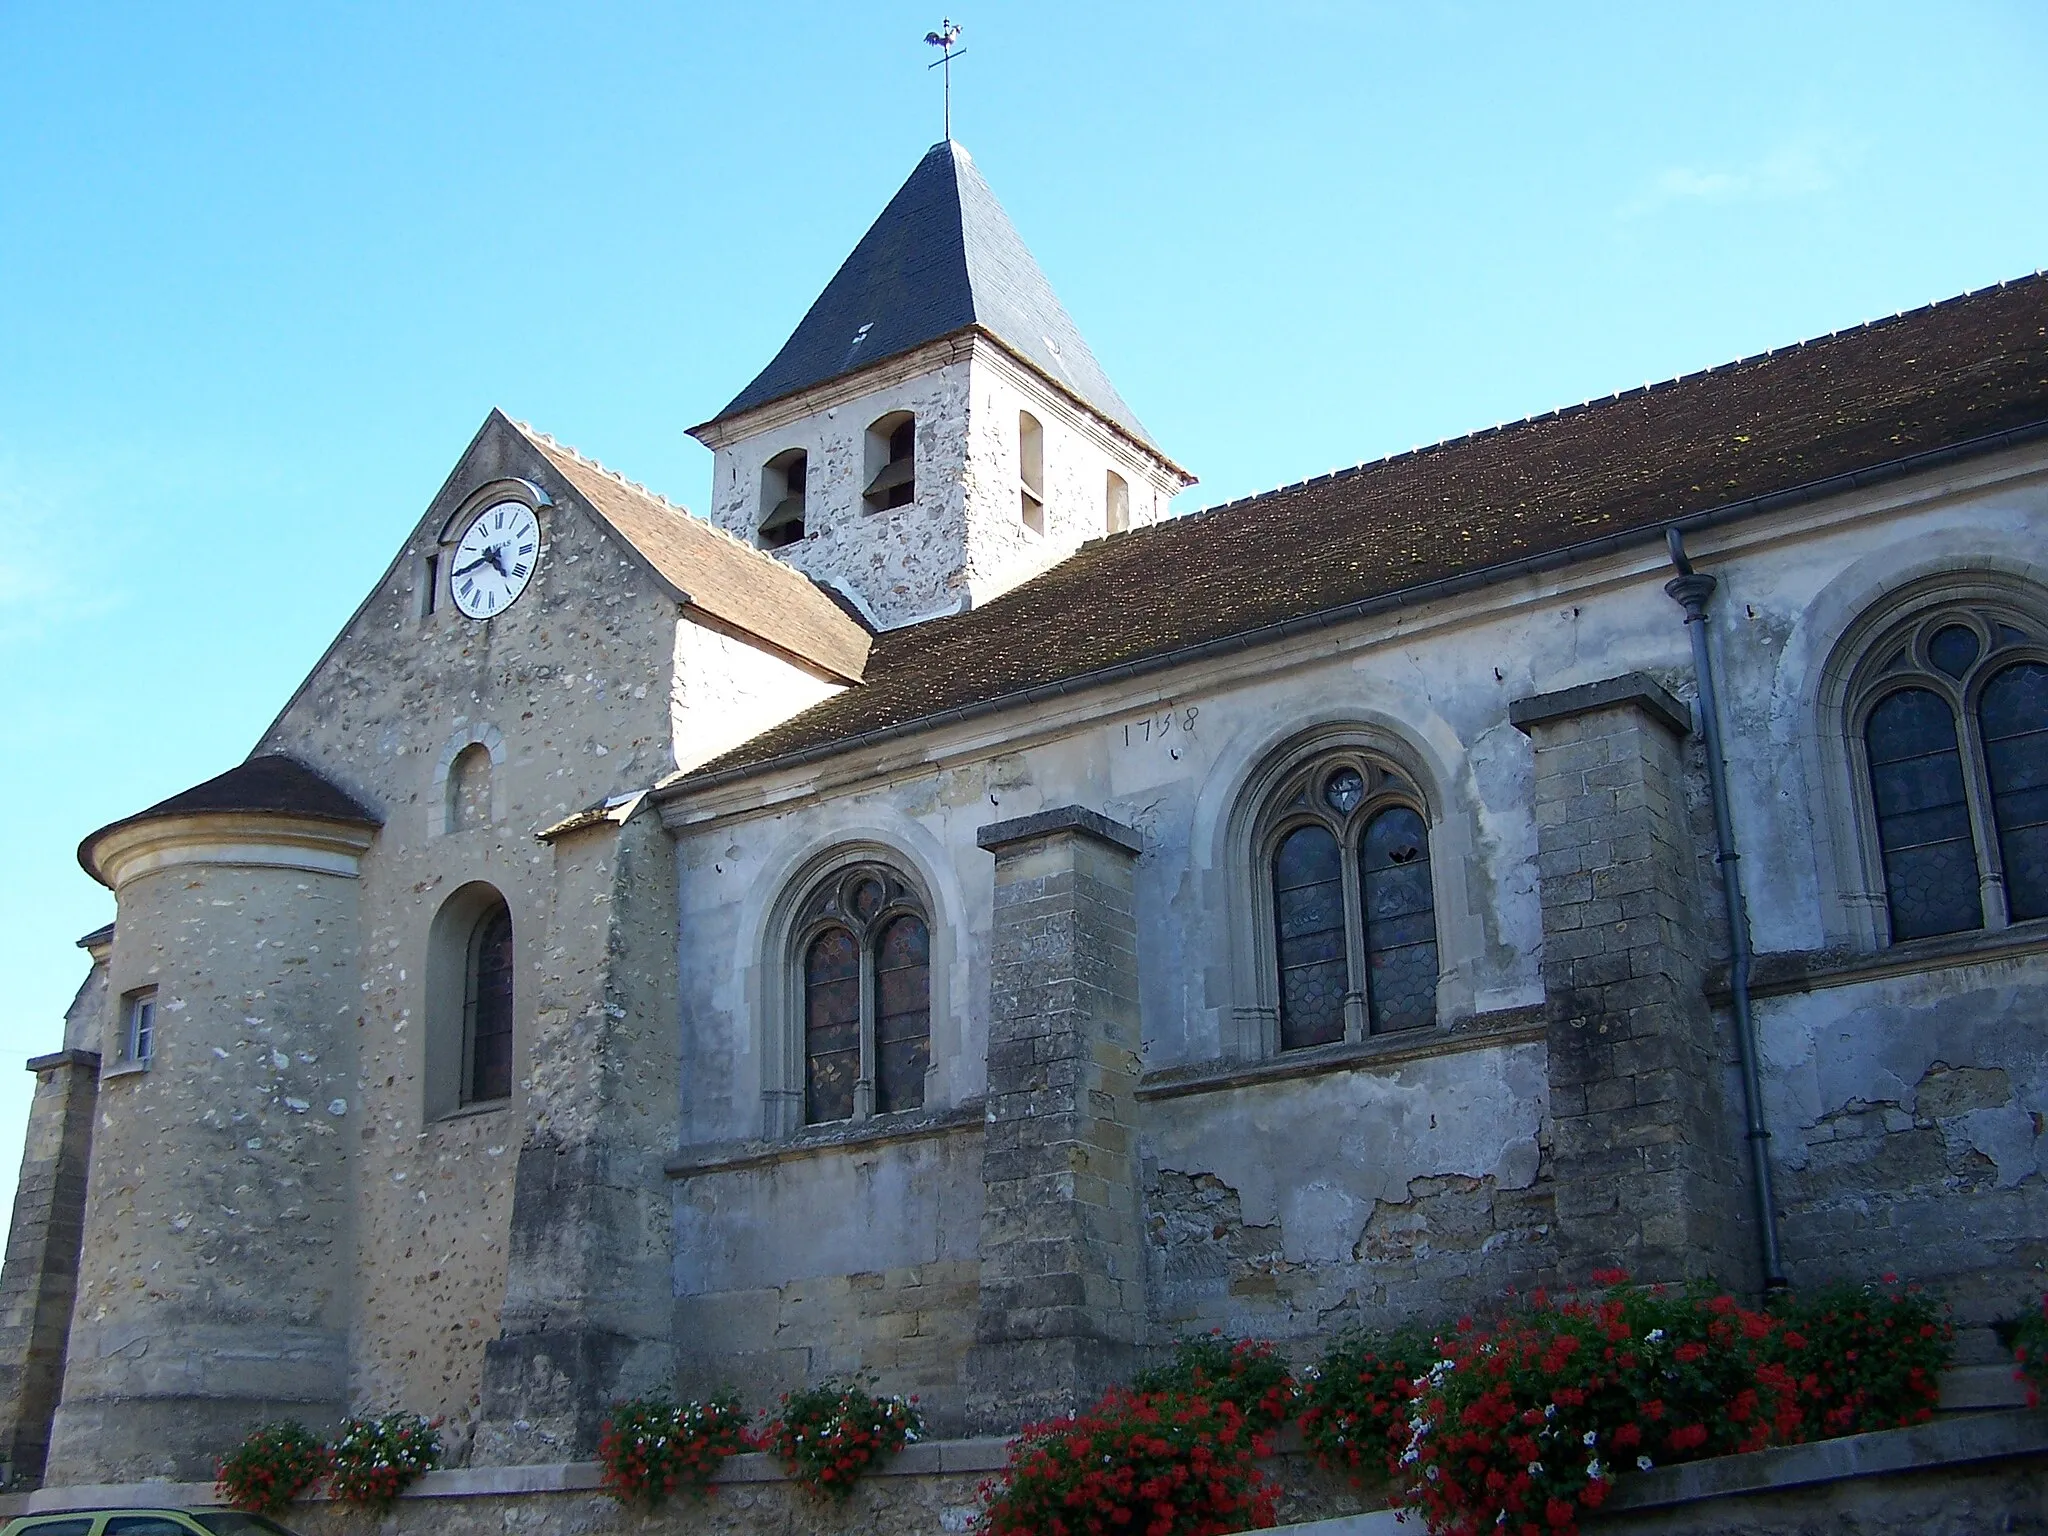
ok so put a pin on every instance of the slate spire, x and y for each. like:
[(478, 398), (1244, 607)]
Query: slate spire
[(943, 257)]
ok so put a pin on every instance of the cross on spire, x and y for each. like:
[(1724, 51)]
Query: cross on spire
[(946, 38)]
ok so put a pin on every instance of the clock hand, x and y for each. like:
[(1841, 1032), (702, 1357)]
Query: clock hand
[(488, 557), (495, 554)]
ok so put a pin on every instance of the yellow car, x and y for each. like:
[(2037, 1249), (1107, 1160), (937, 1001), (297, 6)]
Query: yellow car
[(143, 1522)]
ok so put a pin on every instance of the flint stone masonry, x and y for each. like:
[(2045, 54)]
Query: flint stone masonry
[(1062, 1297), (213, 1281), (1646, 1179), (963, 539), (586, 1316), (40, 1278)]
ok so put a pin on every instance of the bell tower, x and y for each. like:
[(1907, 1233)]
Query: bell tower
[(935, 431)]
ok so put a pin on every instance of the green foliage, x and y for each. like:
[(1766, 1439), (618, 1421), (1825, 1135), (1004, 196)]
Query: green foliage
[(651, 1447), (1162, 1463), (1246, 1372), (2027, 1338), (1355, 1400), (377, 1459), (1865, 1357), (827, 1436), (269, 1469)]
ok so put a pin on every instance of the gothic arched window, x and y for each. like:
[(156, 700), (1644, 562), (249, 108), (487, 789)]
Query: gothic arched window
[(863, 956), (1346, 855), (1951, 717)]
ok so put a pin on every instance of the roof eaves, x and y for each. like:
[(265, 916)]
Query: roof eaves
[(680, 785)]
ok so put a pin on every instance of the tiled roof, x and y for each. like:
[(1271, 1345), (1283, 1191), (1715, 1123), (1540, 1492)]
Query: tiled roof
[(271, 785), (713, 571), (1953, 373), (943, 257)]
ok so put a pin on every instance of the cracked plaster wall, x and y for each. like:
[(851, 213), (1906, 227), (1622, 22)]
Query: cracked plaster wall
[(1908, 1121), (1292, 1209)]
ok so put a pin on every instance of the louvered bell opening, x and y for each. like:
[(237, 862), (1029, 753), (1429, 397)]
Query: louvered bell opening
[(894, 486), (785, 525)]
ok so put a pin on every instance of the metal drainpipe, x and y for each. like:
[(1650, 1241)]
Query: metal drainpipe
[(1692, 590)]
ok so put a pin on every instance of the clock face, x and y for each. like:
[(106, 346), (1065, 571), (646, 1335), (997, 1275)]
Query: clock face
[(495, 559)]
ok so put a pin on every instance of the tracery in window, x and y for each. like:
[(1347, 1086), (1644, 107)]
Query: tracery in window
[(865, 948), (1353, 910), (1954, 738)]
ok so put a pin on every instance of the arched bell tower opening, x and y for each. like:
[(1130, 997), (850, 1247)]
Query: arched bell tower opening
[(954, 433)]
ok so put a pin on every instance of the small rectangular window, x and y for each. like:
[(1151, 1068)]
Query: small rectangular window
[(430, 597), (138, 1025)]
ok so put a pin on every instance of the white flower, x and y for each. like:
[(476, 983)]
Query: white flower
[(1593, 1469), (1643, 1463), (1431, 1473), (1535, 1469), (1410, 1456), (1550, 1410), (1590, 1437), (1654, 1336)]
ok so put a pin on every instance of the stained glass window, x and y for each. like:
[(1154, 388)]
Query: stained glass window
[(1923, 817), (1354, 913), (867, 1019), (831, 1025), (2014, 716), (903, 1014), (1308, 911), (1400, 920), (490, 1010)]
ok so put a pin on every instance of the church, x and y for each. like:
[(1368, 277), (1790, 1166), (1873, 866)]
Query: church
[(938, 915)]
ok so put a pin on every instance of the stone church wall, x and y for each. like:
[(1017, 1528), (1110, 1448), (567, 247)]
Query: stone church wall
[(214, 1284), (1575, 902), (824, 1261), (569, 692), (1369, 1196)]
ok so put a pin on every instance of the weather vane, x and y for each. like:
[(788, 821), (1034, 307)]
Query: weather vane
[(947, 35)]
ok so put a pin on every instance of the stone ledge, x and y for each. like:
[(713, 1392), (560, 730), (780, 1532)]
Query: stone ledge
[(1631, 688), (1065, 818), (1783, 973), (929, 1459), (64, 1058), (1516, 1026), (1943, 1443), (912, 1125)]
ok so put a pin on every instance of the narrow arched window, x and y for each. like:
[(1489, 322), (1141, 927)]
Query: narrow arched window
[(469, 789), (865, 967), (785, 483), (1353, 907), (487, 1011), (1953, 704), (1923, 815), (2014, 717), (1116, 503), (1031, 471), (891, 461)]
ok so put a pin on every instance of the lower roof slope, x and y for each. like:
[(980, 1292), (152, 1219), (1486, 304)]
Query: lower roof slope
[(1953, 373), (711, 570), (269, 785)]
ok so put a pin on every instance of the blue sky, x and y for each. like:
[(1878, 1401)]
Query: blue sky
[(263, 270)]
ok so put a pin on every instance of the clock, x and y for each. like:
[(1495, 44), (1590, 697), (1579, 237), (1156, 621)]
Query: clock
[(495, 559)]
